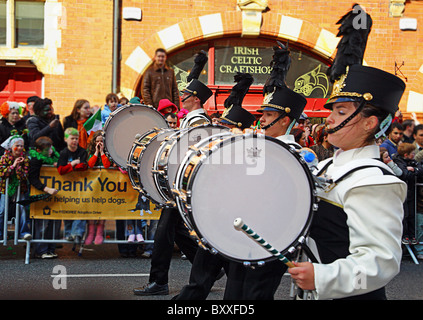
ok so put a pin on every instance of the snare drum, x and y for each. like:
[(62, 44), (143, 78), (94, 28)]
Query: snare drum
[(254, 177), (171, 152), (123, 125), (140, 163)]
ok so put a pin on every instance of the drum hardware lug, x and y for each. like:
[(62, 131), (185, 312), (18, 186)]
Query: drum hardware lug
[(292, 250), (246, 264), (214, 251), (179, 194), (315, 207), (261, 263), (202, 240), (302, 239), (157, 171)]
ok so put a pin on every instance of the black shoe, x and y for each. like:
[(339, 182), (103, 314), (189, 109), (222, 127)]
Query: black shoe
[(151, 289)]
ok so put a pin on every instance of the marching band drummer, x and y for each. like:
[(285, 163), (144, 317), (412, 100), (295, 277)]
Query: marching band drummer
[(207, 267), (195, 95), (281, 108), (171, 227), (357, 228)]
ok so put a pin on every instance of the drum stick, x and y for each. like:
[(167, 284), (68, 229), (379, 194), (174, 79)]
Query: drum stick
[(241, 226)]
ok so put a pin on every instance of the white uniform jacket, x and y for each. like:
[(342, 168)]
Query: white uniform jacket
[(194, 117), (372, 206)]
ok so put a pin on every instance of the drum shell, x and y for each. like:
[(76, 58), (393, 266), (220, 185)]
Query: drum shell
[(192, 167), (123, 125), (169, 151)]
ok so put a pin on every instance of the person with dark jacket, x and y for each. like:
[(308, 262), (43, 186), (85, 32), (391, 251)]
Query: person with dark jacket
[(45, 123), (44, 154), (411, 170), (159, 82)]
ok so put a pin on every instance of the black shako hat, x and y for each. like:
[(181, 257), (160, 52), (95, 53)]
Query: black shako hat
[(379, 88), (234, 113), (351, 80), (196, 87), (277, 96)]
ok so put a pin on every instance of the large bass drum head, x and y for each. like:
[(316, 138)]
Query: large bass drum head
[(123, 125), (259, 180)]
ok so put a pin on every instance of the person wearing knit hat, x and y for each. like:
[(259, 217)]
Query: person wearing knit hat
[(12, 123)]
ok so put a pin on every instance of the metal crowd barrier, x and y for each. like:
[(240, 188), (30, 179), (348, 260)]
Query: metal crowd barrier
[(16, 222)]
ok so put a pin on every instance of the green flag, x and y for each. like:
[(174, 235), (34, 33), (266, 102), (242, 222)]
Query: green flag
[(94, 122)]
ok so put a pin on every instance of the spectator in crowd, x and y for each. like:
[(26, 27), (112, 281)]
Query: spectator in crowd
[(80, 114), (394, 138), (44, 154), (96, 158), (172, 120), (73, 158), (323, 147), (166, 106), (30, 107), (299, 136), (215, 117), (411, 170), (408, 126), (123, 101), (418, 142), (45, 123), (159, 82), (12, 123), (305, 124), (14, 165), (111, 105), (386, 159)]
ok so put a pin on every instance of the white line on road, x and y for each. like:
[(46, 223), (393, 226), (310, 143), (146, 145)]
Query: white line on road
[(100, 275)]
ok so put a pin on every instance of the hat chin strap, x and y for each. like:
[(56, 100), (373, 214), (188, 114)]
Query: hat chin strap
[(283, 114), (186, 98), (352, 116)]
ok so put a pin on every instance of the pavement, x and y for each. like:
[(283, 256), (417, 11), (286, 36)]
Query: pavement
[(100, 273)]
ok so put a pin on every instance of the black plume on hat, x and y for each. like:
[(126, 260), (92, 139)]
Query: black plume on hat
[(244, 81), (281, 62), (351, 47), (200, 61)]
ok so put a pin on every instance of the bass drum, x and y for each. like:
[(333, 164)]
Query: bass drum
[(254, 177), (140, 163), (171, 152), (122, 127)]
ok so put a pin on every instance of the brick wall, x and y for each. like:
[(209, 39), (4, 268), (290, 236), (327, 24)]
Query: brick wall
[(87, 34)]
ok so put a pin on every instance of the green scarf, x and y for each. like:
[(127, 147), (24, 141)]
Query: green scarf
[(33, 153)]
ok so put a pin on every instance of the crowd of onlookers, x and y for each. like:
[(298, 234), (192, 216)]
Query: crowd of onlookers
[(32, 135)]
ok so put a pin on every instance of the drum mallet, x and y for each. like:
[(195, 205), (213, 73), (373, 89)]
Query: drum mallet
[(241, 226)]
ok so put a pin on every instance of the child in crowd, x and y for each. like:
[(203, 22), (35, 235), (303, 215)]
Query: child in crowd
[(411, 170), (73, 158), (44, 154), (96, 157), (14, 165), (112, 102)]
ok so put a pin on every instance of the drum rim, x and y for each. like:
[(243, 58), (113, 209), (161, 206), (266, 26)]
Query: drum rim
[(176, 138), (109, 119), (142, 186), (312, 208)]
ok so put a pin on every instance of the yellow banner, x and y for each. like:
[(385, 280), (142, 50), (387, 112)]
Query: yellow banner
[(93, 194)]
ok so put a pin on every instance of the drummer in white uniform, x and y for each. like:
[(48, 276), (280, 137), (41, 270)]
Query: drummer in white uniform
[(195, 95), (358, 225), (281, 108)]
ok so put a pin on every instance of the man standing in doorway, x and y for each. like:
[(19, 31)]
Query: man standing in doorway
[(159, 82)]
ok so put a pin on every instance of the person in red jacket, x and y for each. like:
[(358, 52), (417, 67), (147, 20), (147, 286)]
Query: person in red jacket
[(73, 158)]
